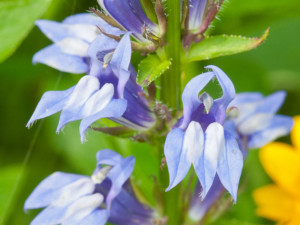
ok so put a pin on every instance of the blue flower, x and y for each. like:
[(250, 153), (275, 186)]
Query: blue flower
[(72, 37), (78, 199), (130, 15), (255, 120), (200, 138), (110, 90)]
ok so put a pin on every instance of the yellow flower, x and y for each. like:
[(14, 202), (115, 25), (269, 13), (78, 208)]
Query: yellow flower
[(281, 201)]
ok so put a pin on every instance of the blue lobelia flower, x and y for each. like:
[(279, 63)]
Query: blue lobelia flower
[(255, 120), (71, 40), (110, 90), (78, 199), (200, 138), (130, 15)]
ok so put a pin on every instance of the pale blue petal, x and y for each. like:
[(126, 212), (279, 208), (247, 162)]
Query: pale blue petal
[(49, 189), (214, 144), (230, 165), (221, 104), (192, 150), (82, 208), (272, 103), (50, 103), (55, 31), (279, 126), (97, 217), (190, 99), (118, 175), (114, 109), (54, 57), (173, 151), (120, 62), (246, 97), (89, 18), (108, 157), (72, 111), (100, 44), (50, 216)]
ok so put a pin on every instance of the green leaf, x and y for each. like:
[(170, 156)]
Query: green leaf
[(233, 222), (16, 20), (151, 68), (220, 45)]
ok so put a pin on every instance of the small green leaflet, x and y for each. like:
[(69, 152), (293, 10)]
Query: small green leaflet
[(220, 45), (151, 68), (16, 20)]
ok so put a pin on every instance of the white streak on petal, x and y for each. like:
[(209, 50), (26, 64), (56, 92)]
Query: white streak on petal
[(73, 46), (82, 208), (193, 143), (255, 123), (85, 32), (74, 191), (214, 144), (98, 100), (83, 90)]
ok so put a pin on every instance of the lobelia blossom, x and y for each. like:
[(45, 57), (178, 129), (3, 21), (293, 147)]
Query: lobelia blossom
[(130, 15), (72, 37), (255, 121), (109, 90), (200, 138), (78, 199)]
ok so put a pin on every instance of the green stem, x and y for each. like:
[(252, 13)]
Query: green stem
[(171, 81)]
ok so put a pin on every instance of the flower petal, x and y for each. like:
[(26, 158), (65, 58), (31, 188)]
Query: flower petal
[(221, 104), (73, 46), (72, 111), (49, 189), (98, 100), (82, 208), (114, 109), (196, 13), (118, 175), (230, 165), (273, 203), (281, 162), (97, 217), (214, 145), (50, 103), (108, 157), (120, 62), (54, 57), (175, 161), (130, 15), (56, 31), (190, 99), (278, 126), (295, 134)]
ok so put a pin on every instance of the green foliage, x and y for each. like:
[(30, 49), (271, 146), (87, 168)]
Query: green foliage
[(151, 68), (16, 20), (220, 45)]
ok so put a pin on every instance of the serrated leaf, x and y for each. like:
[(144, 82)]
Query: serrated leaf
[(220, 45), (151, 68), (16, 20)]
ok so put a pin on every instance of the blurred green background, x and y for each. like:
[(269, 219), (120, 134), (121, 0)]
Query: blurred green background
[(28, 156)]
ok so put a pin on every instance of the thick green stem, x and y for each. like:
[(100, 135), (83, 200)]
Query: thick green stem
[(170, 81), (170, 94)]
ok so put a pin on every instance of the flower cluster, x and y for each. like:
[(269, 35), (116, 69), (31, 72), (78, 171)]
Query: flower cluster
[(213, 135)]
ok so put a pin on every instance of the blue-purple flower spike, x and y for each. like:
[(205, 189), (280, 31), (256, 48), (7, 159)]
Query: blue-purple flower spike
[(200, 138), (77, 199)]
